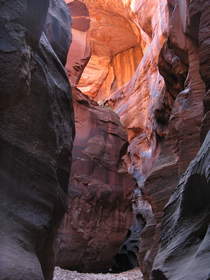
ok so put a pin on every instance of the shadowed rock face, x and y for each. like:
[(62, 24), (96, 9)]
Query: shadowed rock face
[(126, 258), (100, 194), (36, 135), (187, 122), (185, 244)]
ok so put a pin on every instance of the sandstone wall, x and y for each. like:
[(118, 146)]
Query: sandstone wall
[(100, 191), (157, 81)]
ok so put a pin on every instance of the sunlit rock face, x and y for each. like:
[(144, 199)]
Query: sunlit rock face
[(100, 191), (156, 78), (114, 42), (79, 52), (100, 202), (125, 38)]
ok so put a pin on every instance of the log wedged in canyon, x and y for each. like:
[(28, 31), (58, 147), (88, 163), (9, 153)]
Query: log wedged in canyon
[(36, 134)]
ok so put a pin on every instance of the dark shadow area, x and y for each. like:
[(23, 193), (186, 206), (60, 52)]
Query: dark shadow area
[(196, 196), (126, 258), (158, 275)]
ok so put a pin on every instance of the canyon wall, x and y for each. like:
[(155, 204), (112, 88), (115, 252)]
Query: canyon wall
[(154, 73), (180, 64), (185, 226), (144, 67), (36, 134), (79, 52), (100, 191), (184, 247)]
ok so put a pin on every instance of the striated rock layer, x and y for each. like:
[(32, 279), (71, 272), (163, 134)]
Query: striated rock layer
[(131, 84), (113, 40), (36, 134), (79, 52), (100, 191), (185, 244), (180, 64), (155, 75), (124, 52)]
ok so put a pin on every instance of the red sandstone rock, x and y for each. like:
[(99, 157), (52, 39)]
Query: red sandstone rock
[(114, 41), (157, 85), (123, 72), (184, 125), (100, 208), (79, 52)]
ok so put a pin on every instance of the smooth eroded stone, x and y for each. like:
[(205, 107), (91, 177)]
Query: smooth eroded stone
[(100, 191), (36, 136), (185, 235)]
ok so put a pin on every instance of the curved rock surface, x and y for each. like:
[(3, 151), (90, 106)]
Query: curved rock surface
[(100, 192), (179, 63), (80, 51), (114, 42), (185, 245), (157, 81), (149, 62), (36, 135), (124, 73)]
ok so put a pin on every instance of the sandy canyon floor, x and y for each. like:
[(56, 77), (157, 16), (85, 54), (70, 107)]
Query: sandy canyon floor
[(61, 274)]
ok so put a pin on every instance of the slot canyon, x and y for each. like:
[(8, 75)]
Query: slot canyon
[(104, 139)]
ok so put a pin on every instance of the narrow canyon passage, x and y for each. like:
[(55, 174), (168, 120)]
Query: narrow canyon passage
[(104, 140), (134, 58)]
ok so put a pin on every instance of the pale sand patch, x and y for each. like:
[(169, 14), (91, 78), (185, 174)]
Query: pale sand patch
[(60, 274)]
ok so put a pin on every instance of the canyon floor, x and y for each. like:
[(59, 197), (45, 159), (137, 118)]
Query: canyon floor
[(60, 274)]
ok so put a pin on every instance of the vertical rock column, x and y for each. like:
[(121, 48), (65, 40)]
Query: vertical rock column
[(180, 65), (36, 134), (100, 191)]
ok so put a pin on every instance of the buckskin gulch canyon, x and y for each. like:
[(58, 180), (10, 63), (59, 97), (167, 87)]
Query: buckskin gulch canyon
[(104, 140)]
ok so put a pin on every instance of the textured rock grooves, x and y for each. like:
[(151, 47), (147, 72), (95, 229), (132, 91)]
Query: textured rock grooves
[(100, 195), (36, 134), (140, 75), (180, 60), (100, 192), (154, 73), (184, 250), (111, 41)]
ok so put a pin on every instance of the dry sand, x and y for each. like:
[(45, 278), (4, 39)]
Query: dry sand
[(61, 274)]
